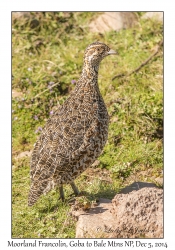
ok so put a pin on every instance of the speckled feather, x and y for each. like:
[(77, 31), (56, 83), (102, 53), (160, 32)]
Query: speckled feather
[(76, 133)]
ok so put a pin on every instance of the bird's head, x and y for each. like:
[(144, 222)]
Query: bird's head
[(96, 51)]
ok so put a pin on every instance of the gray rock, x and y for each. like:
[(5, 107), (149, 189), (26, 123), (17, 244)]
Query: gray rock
[(94, 223), (136, 214), (139, 213), (113, 21), (153, 15)]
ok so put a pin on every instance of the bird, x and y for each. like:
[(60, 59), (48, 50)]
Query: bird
[(75, 135)]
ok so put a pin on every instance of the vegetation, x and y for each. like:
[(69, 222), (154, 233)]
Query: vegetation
[(47, 51)]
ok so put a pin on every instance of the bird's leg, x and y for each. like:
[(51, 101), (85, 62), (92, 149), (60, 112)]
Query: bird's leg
[(75, 189), (61, 193)]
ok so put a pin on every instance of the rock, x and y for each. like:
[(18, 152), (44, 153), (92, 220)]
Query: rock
[(24, 154), (139, 213), (136, 186), (136, 214), (159, 181), (153, 15), (18, 15), (92, 224), (113, 21), (27, 16), (16, 94)]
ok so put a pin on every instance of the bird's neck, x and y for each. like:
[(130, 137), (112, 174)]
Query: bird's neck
[(90, 72), (88, 79), (88, 83)]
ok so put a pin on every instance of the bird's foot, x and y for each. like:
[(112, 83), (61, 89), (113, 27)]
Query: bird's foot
[(62, 197), (75, 189)]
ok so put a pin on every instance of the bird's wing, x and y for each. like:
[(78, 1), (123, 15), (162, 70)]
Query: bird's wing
[(60, 137), (47, 163), (65, 137), (50, 153)]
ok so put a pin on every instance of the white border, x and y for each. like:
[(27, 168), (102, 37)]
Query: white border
[(5, 99)]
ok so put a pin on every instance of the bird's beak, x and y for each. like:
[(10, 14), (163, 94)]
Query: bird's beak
[(112, 52)]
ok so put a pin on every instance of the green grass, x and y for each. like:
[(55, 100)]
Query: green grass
[(51, 53)]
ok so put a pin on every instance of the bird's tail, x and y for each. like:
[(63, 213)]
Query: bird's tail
[(36, 190)]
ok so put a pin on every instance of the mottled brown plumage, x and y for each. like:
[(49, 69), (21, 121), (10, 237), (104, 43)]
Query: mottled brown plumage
[(76, 133)]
